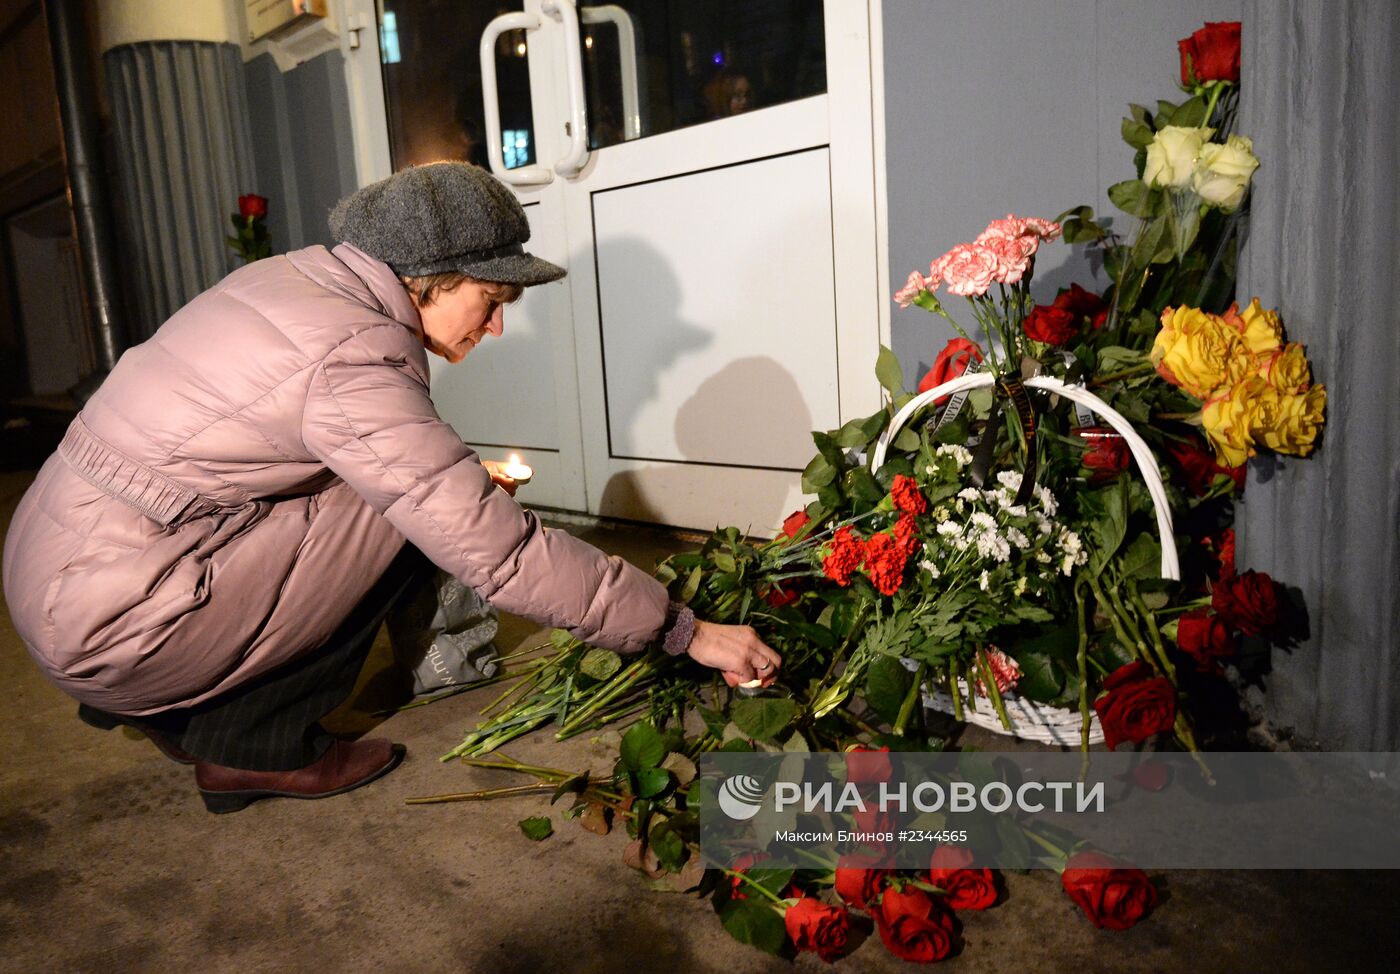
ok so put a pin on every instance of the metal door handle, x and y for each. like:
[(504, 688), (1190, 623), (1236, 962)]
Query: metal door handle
[(574, 159), (523, 175)]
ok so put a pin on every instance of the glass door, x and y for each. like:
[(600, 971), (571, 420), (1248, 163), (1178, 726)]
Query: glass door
[(704, 169)]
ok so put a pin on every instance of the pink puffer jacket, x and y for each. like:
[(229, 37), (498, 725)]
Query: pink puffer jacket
[(240, 481)]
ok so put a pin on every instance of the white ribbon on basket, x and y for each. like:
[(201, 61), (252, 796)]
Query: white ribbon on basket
[(1142, 453)]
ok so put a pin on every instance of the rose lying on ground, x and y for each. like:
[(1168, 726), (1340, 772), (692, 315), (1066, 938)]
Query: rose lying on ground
[(1135, 705), (966, 888), (914, 927), (859, 880), (868, 765), (816, 927), (1111, 894)]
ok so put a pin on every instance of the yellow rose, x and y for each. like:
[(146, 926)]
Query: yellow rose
[(1287, 369), (1172, 156), (1226, 422), (1198, 352), (1299, 419), (1259, 329), (1223, 172), (1260, 404)]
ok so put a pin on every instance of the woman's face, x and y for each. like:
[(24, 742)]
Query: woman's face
[(456, 321)]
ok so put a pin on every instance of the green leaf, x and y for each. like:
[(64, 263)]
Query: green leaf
[(1131, 196), (861, 485), (1040, 679), (600, 664), (692, 585), (1166, 115), (1116, 358), (1191, 113), (1141, 559), (642, 747), (889, 372), (536, 827), (724, 561), (813, 633), (886, 685), (652, 782), (906, 440), (1136, 134), (669, 847), (577, 784), (763, 718), (560, 639), (1138, 113), (818, 474), (754, 922)]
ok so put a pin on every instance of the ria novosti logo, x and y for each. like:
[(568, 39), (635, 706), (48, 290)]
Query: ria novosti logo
[(740, 796)]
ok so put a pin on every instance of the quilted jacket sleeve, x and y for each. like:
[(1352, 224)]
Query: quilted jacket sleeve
[(370, 419)]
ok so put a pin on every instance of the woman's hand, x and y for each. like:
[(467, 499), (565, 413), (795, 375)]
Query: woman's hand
[(736, 651), (498, 475)]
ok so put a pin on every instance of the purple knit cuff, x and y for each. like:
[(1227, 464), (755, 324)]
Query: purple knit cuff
[(680, 629)]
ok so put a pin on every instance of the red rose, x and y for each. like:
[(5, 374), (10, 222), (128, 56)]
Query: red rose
[(1100, 318), (952, 362), (1199, 469), (885, 559), (795, 522), (1111, 894), (1248, 601), (1205, 638), (857, 881), (743, 864), (1108, 453), (814, 926), (868, 765), (252, 205), (1211, 54), (1080, 303), (1152, 775), (845, 555), (1226, 553), (907, 496), (778, 595), (913, 926), (1136, 704), (967, 889), (1052, 325)]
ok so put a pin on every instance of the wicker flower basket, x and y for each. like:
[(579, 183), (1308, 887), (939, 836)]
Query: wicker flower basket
[(1030, 720)]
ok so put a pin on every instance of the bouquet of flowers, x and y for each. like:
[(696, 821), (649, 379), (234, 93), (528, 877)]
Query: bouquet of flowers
[(992, 545)]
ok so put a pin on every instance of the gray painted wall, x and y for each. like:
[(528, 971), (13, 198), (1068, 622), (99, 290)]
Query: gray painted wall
[(302, 143), (1013, 106)]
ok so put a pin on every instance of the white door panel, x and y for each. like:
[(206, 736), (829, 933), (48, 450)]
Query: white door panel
[(716, 308)]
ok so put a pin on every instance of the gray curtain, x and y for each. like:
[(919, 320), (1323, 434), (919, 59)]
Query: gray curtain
[(180, 119), (1321, 90)]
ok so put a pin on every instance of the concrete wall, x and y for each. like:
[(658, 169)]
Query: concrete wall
[(302, 144), (1013, 106)]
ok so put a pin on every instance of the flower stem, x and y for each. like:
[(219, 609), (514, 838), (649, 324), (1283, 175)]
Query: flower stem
[(906, 709), (953, 689), (993, 691), (1082, 658), (736, 874)]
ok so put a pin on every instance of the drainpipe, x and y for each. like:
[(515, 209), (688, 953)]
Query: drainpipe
[(91, 213)]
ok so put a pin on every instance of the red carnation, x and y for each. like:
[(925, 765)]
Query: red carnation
[(907, 496), (885, 559), (1211, 54), (1199, 469), (1111, 894), (967, 889), (1205, 638), (1248, 601), (906, 533), (858, 881), (913, 926), (252, 205), (952, 362), (845, 555), (1135, 705), (795, 522), (814, 926), (1107, 455), (1052, 325)]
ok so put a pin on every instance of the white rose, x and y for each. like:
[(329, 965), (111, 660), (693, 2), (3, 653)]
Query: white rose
[(1171, 158), (1224, 171)]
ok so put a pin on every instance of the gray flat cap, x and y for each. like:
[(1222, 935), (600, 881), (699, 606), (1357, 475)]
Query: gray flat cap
[(444, 216)]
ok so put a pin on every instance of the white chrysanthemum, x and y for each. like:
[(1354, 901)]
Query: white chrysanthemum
[(930, 471), (984, 521), (961, 543), (1047, 500), (992, 545), (969, 494), (1067, 564), (961, 454), (1042, 523), (1010, 479), (1043, 556), (940, 514), (929, 567), (949, 529), (986, 581), (1017, 537), (1068, 542)]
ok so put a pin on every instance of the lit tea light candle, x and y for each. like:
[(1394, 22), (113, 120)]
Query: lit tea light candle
[(517, 471)]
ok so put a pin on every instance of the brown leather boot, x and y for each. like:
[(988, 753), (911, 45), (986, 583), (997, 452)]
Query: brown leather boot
[(344, 767)]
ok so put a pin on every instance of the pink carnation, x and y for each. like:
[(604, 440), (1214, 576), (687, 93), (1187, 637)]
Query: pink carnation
[(1005, 670), (1047, 229), (1012, 256), (906, 295), (967, 269)]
